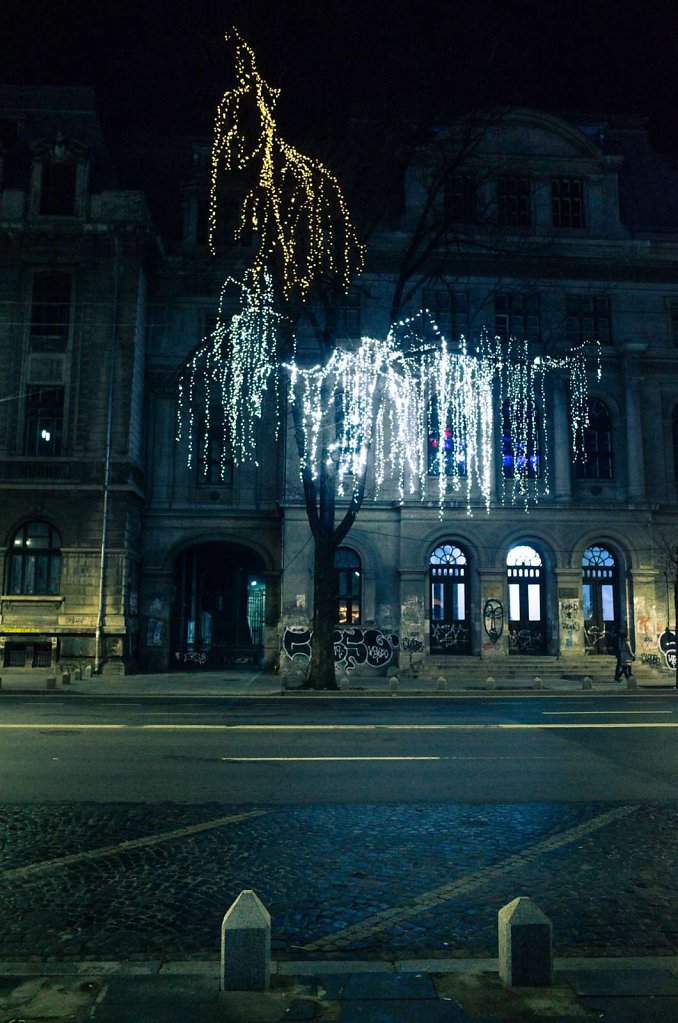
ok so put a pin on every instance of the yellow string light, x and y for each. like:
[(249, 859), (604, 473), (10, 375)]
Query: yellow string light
[(296, 206)]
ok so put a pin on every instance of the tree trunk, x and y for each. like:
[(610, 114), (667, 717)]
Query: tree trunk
[(322, 674)]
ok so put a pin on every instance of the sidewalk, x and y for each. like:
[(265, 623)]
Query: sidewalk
[(404, 991), (244, 683)]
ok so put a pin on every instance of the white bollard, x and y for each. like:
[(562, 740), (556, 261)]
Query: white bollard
[(246, 945), (631, 682), (491, 682), (525, 945), (587, 682), (65, 678), (441, 684), (537, 682), (394, 682), (51, 682)]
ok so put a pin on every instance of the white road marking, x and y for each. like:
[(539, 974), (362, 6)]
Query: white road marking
[(478, 727), (570, 713), (257, 760)]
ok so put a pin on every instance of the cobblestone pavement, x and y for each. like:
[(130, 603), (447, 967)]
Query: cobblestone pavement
[(121, 880)]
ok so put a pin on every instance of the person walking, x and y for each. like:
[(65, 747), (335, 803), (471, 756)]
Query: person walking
[(625, 656)]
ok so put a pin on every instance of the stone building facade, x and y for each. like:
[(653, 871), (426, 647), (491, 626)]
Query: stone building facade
[(556, 231), (74, 256)]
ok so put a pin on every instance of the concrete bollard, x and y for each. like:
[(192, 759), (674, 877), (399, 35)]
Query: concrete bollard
[(88, 671), (344, 683), (441, 684), (65, 678), (491, 682), (525, 945), (246, 945), (77, 675), (537, 682), (393, 683), (631, 682), (587, 682), (51, 682)]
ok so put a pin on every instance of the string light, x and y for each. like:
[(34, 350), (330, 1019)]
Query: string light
[(296, 206), (231, 370)]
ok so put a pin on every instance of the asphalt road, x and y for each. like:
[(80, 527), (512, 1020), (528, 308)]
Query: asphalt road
[(314, 751), (369, 827)]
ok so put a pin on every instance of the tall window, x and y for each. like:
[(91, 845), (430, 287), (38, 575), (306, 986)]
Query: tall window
[(597, 443), (460, 199), (348, 583), (521, 455), (44, 421), (448, 309), (215, 459), (349, 313), (567, 202), (588, 318), (35, 560), (674, 431), (514, 207), (445, 446), (50, 310), (58, 191), (516, 315)]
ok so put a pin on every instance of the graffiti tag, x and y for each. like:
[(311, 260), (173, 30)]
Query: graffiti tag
[(667, 645), (352, 647), (493, 618), (449, 636)]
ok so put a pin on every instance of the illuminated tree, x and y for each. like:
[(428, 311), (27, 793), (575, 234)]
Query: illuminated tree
[(366, 408)]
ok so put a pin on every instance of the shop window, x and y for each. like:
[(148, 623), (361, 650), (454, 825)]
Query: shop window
[(348, 586), (35, 560)]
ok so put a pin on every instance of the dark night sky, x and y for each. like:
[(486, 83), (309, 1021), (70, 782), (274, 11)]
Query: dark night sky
[(162, 65)]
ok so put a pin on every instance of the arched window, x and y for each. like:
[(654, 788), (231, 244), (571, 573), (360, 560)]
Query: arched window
[(674, 431), (35, 560), (449, 628), (521, 456), (600, 598), (348, 586), (597, 444), (527, 619)]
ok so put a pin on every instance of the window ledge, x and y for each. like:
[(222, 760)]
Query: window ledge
[(32, 598)]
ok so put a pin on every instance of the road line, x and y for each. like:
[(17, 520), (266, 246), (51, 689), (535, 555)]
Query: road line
[(489, 727), (43, 867), (570, 713), (278, 760), (462, 886)]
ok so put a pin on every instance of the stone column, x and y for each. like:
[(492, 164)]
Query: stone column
[(560, 443), (494, 615), (635, 461), (570, 613), (414, 644)]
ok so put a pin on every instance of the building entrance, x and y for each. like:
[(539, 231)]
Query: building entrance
[(527, 617), (219, 607), (450, 628), (600, 592)]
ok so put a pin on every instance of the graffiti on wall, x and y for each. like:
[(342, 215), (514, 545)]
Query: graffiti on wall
[(449, 636), (667, 645), (352, 647), (569, 615), (493, 618)]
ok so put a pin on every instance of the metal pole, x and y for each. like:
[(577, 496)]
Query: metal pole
[(98, 634)]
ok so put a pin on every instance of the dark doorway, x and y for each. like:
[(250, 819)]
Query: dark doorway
[(219, 607)]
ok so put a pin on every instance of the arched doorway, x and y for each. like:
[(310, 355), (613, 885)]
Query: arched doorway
[(600, 592), (450, 629), (218, 616), (527, 610)]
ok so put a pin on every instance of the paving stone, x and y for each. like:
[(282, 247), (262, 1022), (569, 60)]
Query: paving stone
[(405, 1012), (160, 1000), (632, 1010), (374, 986), (617, 982)]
